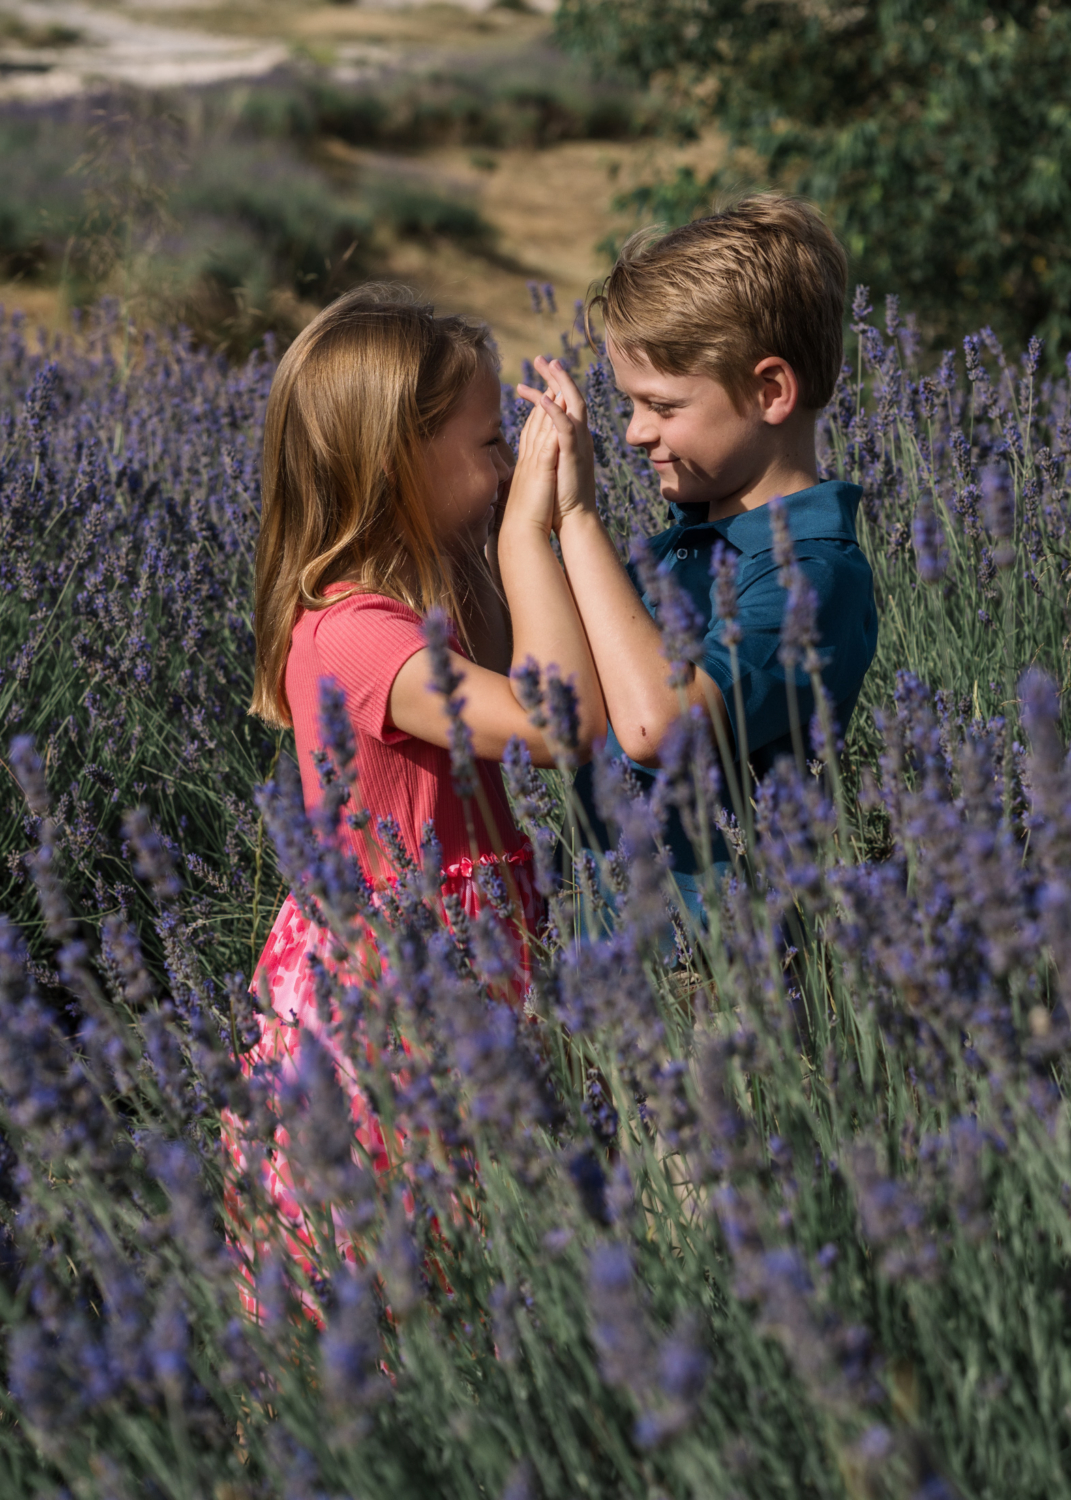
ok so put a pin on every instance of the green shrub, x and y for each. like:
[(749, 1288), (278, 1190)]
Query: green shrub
[(933, 131), (297, 219), (40, 205), (533, 101)]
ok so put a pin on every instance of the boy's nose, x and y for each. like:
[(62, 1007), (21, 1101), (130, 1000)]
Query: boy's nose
[(640, 434)]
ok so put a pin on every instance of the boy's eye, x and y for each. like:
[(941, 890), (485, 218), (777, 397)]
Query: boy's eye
[(662, 411)]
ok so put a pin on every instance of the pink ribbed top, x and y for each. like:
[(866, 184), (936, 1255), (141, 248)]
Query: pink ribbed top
[(362, 642)]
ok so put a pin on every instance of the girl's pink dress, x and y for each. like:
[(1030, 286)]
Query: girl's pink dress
[(362, 642)]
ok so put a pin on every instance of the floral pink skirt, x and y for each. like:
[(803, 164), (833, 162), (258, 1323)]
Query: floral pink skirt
[(287, 969)]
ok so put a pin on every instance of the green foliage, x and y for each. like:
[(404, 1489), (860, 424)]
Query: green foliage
[(933, 133)]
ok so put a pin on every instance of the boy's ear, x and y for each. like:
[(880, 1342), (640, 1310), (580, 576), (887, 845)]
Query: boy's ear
[(779, 390)]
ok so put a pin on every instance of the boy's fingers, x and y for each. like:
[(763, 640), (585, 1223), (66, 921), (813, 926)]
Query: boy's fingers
[(563, 423), (560, 381), (529, 393), (536, 397)]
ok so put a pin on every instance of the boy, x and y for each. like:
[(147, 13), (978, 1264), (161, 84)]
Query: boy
[(726, 335)]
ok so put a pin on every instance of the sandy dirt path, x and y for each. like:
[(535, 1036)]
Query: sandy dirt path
[(107, 46)]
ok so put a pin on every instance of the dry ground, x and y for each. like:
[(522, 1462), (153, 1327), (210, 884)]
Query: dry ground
[(551, 209)]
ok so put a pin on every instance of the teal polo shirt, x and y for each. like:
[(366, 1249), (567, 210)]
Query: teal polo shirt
[(821, 521)]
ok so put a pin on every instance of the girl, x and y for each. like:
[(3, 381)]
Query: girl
[(383, 466)]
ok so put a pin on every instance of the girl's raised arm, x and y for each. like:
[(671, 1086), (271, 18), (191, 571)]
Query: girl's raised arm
[(546, 625)]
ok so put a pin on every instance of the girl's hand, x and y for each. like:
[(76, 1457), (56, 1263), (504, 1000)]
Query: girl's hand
[(566, 408), (533, 487)]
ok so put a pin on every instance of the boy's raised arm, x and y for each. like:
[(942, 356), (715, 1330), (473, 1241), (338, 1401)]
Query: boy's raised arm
[(625, 641)]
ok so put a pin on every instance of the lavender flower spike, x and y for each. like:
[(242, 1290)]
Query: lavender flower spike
[(783, 550), (527, 684), (446, 680), (799, 634), (723, 571), (563, 714), (929, 541)]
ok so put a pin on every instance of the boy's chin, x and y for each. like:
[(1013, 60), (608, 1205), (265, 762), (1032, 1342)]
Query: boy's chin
[(682, 490)]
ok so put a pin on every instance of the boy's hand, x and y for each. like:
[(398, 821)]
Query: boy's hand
[(565, 407)]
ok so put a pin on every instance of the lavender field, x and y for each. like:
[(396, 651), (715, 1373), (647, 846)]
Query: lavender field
[(779, 1208)]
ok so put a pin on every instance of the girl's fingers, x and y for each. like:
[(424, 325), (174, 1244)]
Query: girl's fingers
[(533, 423), (539, 441)]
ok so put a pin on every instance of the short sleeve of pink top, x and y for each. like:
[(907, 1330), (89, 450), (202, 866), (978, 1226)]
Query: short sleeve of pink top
[(362, 642)]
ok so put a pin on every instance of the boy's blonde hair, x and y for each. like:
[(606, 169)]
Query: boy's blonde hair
[(764, 276), (354, 400)]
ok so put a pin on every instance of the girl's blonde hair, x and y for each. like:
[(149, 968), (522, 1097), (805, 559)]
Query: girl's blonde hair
[(355, 398)]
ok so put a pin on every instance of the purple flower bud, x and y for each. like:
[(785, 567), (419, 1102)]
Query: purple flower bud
[(783, 550), (861, 308), (154, 861), (590, 1182), (723, 567), (999, 501), (446, 679), (521, 1483), (619, 1328), (678, 619), (40, 408), (799, 632), (929, 542), (683, 1364), (536, 296), (528, 685), (972, 351), (350, 1346), (563, 713), (27, 766), (336, 727)]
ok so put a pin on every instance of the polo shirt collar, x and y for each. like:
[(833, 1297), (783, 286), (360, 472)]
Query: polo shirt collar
[(822, 512)]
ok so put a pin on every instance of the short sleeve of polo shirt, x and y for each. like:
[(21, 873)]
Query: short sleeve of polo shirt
[(821, 522), (363, 642), (841, 580)]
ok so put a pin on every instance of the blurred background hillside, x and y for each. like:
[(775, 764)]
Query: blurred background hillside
[(233, 166)]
